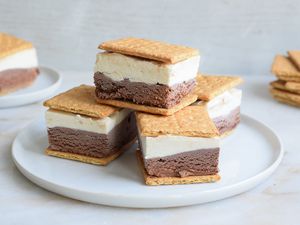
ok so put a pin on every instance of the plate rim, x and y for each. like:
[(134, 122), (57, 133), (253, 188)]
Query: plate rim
[(225, 192)]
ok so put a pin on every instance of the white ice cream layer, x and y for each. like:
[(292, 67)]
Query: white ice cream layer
[(166, 145), (20, 60), (74, 121), (119, 67), (224, 103)]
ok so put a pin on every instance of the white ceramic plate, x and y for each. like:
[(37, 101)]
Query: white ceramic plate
[(44, 86), (247, 158)]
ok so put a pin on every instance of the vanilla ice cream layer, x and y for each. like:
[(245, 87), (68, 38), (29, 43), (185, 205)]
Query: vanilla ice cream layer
[(119, 67), (166, 145), (224, 103), (21, 60), (56, 118)]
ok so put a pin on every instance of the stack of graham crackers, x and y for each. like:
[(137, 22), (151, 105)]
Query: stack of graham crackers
[(179, 115), (287, 70)]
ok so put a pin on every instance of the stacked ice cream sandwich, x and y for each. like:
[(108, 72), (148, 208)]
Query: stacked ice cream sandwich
[(18, 64), (82, 130), (146, 75), (286, 88)]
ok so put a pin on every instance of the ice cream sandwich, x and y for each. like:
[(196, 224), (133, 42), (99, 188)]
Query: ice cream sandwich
[(81, 129), (18, 64), (179, 149), (222, 100), (146, 75)]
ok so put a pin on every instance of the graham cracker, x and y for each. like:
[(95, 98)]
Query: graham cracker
[(149, 49), (285, 96), (282, 85), (88, 159), (10, 45), (192, 121), (293, 85), (187, 100), (284, 69), (209, 86), (80, 100), (288, 78), (153, 181), (286, 101), (295, 57)]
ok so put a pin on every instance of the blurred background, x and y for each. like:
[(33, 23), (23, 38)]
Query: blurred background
[(234, 37)]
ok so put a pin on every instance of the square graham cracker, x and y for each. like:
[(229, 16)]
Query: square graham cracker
[(192, 121), (149, 49), (80, 100), (295, 57), (154, 181), (187, 100), (284, 69), (209, 86), (88, 159), (10, 45), (286, 97), (282, 85)]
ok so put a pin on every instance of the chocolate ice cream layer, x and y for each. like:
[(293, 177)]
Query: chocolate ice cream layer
[(14, 79), (157, 95), (92, 144), (194, 163), (228, 122)]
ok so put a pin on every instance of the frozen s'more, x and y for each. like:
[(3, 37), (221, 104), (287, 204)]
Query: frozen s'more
[(179, 149), (222, 99), (146, 75), (18, 63), (81, 129)]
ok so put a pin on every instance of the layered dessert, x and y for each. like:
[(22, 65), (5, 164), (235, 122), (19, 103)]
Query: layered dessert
[(81, 129), (144, 72), (179, 149), (18, 64), (222, 100)]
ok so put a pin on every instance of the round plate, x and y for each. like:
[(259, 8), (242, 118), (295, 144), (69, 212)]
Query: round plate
[(45, 85), (247, 157)]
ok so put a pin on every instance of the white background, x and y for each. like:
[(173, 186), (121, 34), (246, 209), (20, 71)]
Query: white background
[(234, 36)]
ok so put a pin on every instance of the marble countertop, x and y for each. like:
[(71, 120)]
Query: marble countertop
[(276, 201)]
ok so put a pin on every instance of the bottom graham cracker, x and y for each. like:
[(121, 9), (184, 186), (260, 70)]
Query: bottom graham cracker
[(153, 181), (88, 159), (187, 100), (285, 97)]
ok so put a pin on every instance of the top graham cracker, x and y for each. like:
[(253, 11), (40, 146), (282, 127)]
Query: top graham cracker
[(80, 100), (148, 49), (10, 45), (192, 121), (283, 66), (295, 57), (210, 86)]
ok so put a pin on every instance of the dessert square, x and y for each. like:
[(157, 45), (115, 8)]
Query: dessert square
[(135, 76), (178, 149), (222, 100), (18, 64), (81, 129)]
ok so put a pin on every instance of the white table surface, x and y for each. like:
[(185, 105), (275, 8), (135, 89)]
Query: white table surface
[(276, 201)]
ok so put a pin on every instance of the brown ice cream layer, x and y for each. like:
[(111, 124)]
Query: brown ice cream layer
[(14, 79), (157, 95), (90, 143), (194, 163), (228, 122)]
